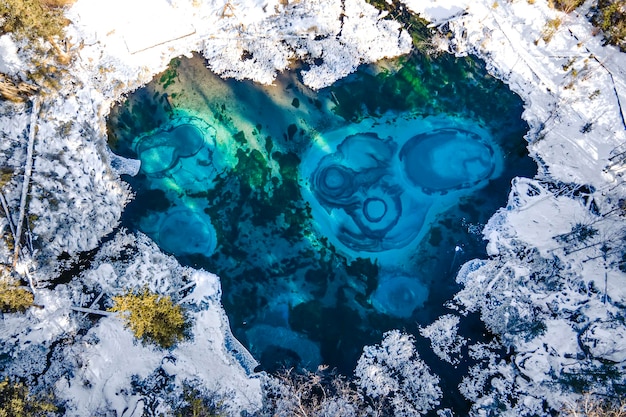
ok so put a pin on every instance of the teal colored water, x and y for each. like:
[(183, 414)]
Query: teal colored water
[(331, 216)]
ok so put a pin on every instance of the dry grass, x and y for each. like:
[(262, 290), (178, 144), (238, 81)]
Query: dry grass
[(6, 174), (37, 22), (57, 3), (592, 406), (566, 6), (550, 28), (16, 91)]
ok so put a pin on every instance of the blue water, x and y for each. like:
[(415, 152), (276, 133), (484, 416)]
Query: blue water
[(330, 216)]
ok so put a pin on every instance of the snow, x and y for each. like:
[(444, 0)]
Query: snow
[(134, 48), (40, 325), (357, 44), (552, 296), (108, 357), (550, 292), (444, 338), (10, 62), (536, 219), (108, 365), (394, 371), (438, 11), (558, 103), (606, 340)]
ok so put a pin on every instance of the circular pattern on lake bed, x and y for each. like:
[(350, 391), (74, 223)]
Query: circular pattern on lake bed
[(366, 151), (379, 213), (447, 159), (188, 138), (374, 209), (335, 178), (160, 150), (157, 159), (361, 195), (375, 192), (335, 183), (264, 338), (187, 232), (399, 296)]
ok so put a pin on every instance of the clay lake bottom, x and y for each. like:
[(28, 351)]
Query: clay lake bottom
[(330, 216)]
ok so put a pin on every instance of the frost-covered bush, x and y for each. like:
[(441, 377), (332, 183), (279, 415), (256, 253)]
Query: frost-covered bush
[(393, 374), (444, 338), (76, 197), (552, 297), (512, 315), (135, 261), (197, 401), (333, 38), (496, 389), (390, 381), (162, 395), (319, 394), (592, 406), (566, 6)]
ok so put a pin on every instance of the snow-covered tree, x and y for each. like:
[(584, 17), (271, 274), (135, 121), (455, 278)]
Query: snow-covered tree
[(550, 296), (391, 380), (393, 375), (444, 338)]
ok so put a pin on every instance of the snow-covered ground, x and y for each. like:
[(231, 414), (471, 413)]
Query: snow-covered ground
[(107, 359), (77, 197), (551, 290)]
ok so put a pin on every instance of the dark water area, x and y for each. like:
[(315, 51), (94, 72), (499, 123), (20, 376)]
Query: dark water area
[(330, 216)]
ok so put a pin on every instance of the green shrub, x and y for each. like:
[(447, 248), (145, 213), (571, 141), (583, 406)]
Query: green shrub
[(14, 299), (610, 17), (15, 401), (197, 404), (152, 317)]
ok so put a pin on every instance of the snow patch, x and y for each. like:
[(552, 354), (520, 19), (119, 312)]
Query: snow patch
[(10, 62)]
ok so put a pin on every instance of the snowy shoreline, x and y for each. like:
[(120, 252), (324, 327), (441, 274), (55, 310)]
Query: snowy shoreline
[(574, 90), (551, 288)]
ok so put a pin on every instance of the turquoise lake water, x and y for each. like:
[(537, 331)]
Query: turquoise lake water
[(331, 216)]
